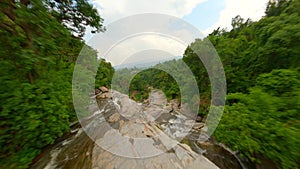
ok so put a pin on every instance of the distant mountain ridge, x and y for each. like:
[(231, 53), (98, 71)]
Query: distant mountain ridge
[(145, 64)]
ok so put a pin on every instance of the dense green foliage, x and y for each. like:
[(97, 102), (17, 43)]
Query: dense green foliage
[(265, 122), (38, 54), (261, 60), (153, 78), (141, 81), (104, 74)]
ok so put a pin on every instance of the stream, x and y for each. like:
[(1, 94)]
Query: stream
[(145, 144)]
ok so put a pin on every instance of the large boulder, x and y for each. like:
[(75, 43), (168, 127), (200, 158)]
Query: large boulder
[(103, 89), (107, 95)]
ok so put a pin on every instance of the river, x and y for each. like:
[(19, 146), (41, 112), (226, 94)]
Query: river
[(124, 134)]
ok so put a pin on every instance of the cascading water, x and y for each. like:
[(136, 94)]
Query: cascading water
[(126, 117)]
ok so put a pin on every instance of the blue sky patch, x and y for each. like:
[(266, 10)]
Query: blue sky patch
[(204, 15)]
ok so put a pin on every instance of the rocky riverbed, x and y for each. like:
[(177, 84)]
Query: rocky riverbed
[(121, 133)]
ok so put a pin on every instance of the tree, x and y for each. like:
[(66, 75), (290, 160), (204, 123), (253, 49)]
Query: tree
[(75, 15), (237, 22), (104, 74), (276, 7), (265, 122), (37, 55)]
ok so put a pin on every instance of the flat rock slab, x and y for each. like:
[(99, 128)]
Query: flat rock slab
[(179, 158), (139, 141), (122, 134), (120, 150)]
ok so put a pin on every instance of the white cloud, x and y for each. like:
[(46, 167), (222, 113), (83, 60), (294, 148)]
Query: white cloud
[(126, 49), (126, 37), (253, 9), (112, 10)]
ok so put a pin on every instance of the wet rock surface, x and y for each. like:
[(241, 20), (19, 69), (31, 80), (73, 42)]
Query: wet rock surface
[(139, 141), (122, 133)]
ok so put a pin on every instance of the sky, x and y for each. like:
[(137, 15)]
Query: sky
[(204, 15)]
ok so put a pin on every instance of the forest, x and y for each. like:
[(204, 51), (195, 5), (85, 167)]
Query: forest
[(40, 43), (39, 47)]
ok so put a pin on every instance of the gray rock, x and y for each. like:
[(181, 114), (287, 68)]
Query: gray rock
[(107, 95), (139, 141), (157, 97), (125, 136), (198, 126)]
